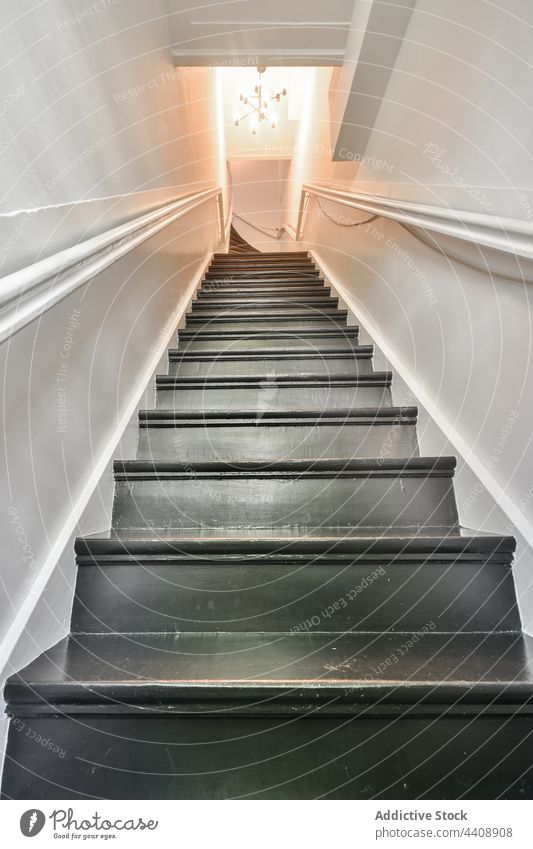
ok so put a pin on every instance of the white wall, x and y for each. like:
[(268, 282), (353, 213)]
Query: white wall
[(461, 339), (456, 121), (98, 128), (97, 124), (259, 196)]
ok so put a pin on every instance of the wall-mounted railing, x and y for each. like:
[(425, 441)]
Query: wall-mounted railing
[(32, 290), (511, 235)]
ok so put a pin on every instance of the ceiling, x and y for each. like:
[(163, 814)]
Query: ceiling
[(247, 32)]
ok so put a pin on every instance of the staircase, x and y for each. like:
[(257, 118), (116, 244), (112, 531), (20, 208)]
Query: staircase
[(285, 606)]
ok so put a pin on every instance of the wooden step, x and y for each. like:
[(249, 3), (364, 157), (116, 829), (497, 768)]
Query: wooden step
[(268, 275), (300, 716), (304, 324), (290, 284), (412, 492), (310, 593), (279, 300), (312, 336), (243, 435), (259, 263), (265, 254), (270, 306), (284, 345), (305, 392), (263, 292), (272, 312), (274, 364)]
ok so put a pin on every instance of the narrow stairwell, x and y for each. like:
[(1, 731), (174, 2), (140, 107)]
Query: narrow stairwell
[(286, 605)]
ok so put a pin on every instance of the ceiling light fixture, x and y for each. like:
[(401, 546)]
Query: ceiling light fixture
[(259, 105)]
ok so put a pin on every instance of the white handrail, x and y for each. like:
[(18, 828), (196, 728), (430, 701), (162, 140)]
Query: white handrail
[(511, 235), (27, 293)]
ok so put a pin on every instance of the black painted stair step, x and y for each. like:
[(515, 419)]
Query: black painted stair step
[(252, 312), (269, 305), (223, 716), (270, 368), (248, 325), (271, 346), (267, 271), (417, 467), (260, 258), (275, 365), (260, 293), (275, 254), (412, 492), (363, 352), (278, 302), (296, 545), (313, 671), (266, 276), (265, 262), (313, 594), (291, 284), (311, 335), (243, 435), (270, 395), (265, 381)]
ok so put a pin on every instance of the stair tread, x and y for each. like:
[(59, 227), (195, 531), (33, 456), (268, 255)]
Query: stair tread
[(361, 414), (328, 467), (376, 377), (159, 669), (344, 332), (307, 352), (325, 538)]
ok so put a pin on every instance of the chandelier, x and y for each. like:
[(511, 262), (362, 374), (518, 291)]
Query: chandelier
[(259, 104)]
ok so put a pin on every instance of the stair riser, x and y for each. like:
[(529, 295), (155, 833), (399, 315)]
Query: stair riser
[(268, 262), (245, 302), (272, 398), (265, 324), (271, 277), (264, 443), (316, 596), (234, 312), (435, 756), (272, 367), (392, 501), (301, 344), (224, 255), (269, 272), (262, 292), (261, 284)]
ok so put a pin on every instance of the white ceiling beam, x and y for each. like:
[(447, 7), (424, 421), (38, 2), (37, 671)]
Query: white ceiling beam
[(232, 59), (374, 40)]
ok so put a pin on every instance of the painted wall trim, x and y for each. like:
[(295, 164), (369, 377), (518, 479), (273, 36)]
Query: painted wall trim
[(226, 57), (27, 293), (507, 505), (26, 609), (510, 235)]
